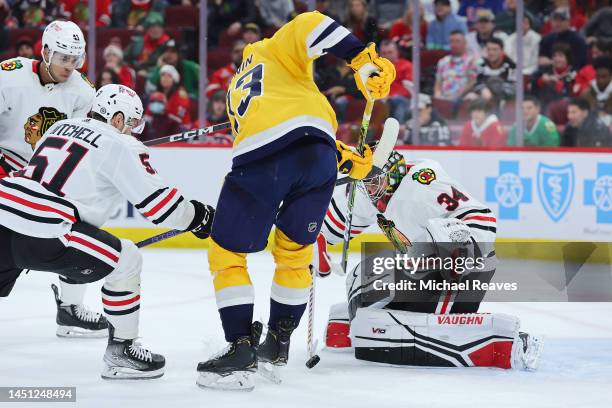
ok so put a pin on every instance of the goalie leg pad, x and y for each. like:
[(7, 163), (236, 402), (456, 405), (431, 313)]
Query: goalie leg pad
[(422, 339), (338, 327)]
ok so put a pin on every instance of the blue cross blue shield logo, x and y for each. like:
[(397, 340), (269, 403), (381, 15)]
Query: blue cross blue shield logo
[(508, 189), (598, 193), (556, 189)]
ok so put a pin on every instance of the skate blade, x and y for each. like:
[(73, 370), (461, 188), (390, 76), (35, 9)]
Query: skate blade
[(236, 381), (125, 373), (79, 332), (270, 372)]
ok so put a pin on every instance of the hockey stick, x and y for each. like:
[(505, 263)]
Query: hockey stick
[(313, 358), (365, 123), (382, 151), (158, 238), (188, 135)]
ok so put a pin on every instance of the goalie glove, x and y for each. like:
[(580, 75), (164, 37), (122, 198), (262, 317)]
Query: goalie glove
[(352, 163), (373, 74), (201, 225), (321, 261)]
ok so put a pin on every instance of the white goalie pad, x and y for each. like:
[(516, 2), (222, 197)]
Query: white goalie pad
[(455, 340)]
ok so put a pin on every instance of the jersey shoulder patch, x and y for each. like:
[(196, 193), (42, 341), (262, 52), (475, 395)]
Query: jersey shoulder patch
[(11, 64), (87, 81), (424, 176)]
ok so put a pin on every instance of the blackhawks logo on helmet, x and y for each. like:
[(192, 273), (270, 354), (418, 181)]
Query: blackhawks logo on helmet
[(424, 176), (11, 65)]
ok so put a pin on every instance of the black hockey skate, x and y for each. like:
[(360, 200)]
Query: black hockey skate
[(128, 360), (77, 320), (232, 368), (274, 351)]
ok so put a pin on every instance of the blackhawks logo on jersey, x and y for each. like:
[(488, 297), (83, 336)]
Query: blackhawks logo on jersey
[(11, 65), (37, 124), (424, 176)]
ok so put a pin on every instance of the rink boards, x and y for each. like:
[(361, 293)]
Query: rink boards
[(537, 195)]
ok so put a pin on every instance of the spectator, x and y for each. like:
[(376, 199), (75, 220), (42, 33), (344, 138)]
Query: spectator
[(599, 25), (386, 11), (456, 73), (401, 30), (483, 129), (556, 81), (326, 7), (599, 48), (158, 123), (433, 130), (496, 80), (24, 47), (440, 29), (78, 11), (531, 46), (221, 78), (336, 81), (230, 15), (584, 128), (32, 14), (399, 95), (275, 13), (251, 33), (485, 30), (143, 51), (599, 93), (561, 32), (577, 19), (470, 9), (178, 106), (357, 20), (188, 70), (538, 129), (216, 114), (506, 20), (105, 77), (113, 60)]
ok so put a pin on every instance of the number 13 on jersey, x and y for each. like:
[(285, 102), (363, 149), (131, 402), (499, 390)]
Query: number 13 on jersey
[(248, 86)]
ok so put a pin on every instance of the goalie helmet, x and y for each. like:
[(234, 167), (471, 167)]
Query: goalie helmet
[(66, 44), (381, 187), (113, 98)]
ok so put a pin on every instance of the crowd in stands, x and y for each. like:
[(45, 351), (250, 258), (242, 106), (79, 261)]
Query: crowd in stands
[(468, 68)]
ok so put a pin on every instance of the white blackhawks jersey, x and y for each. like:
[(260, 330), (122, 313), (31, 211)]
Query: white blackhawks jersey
[(82, 170), (22, 95), (425, 192)]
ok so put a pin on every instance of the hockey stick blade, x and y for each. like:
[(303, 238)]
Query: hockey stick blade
[(383, 150), (188, 135)]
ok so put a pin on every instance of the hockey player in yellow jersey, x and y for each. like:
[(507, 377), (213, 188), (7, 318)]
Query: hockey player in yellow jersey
[(285, 163)]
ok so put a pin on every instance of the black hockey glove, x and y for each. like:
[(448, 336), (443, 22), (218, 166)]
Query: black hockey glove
[(202, 220)]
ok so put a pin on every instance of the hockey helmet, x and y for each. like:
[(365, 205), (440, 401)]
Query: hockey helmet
[(66, 44), (113, 98)]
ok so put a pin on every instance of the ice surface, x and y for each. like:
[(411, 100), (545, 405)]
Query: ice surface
[(179, 319)]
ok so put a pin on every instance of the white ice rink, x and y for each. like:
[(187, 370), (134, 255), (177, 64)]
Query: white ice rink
[(179, 319)]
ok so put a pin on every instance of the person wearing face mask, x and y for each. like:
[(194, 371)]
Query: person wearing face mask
[(178, 105), (159, 124)]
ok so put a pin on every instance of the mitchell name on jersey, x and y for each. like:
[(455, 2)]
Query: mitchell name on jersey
[(25, 101), (82, 170)]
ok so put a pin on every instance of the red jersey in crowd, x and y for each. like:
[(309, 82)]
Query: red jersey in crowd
[(220, 79), (490, 133), (151, 45), (403, 71), (178, 107), (402, 32)]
